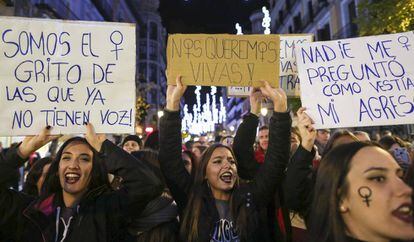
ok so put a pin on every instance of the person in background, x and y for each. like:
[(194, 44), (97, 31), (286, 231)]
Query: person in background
[(362, 136), (249, 162), (132, 143), (198, 151), (189, 161), (158, 221), (398, 150), (359, 195), (152, 141), (322, 137), (36, 176), (263, 142), (227, 140)]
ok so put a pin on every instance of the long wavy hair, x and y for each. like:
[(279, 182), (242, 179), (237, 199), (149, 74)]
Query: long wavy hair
[(99, 174), (191, 217), (326, 223)]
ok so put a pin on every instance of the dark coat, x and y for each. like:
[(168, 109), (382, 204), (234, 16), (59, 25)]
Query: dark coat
[(299, 182), (250, 197), (101, 215), (248, 166)]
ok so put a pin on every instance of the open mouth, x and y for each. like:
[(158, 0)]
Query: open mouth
[(71, 177), (226, 177), (404, 213)]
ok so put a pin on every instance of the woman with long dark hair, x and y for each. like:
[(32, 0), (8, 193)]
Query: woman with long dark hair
[(76, 201), (359, 195), (214, 206)]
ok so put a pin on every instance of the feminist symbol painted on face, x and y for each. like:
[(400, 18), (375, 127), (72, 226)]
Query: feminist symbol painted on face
[(116, 38), (365, 193), (403, 40)]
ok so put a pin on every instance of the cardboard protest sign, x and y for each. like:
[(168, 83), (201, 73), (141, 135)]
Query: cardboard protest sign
[(223, 60), (358, 82), (289, 80), (66, 73), (289, 83)]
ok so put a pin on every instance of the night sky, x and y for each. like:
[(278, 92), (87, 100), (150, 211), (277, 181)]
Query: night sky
[(207, 16)]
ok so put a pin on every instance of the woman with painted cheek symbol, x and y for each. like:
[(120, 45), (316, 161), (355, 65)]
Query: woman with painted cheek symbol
[(360, 196)]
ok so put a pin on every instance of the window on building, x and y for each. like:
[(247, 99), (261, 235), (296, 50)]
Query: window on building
[(352, 14), (142, 75), (143, 31), (297, 23), (153, 74), (290, 29), (153, 31), (324, 33), (310, 12), (143, 49), (281, 16), (288, 5), (153, 51)]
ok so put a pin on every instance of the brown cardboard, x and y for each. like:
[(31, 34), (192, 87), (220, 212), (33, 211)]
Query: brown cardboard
[(245, 61)]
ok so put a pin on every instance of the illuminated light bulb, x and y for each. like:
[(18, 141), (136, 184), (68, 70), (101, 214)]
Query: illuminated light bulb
[(266, 20), (239, 29)]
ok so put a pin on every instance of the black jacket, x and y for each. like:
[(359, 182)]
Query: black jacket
[(250, 197), (248, 167), (299, 182), (101, 214)]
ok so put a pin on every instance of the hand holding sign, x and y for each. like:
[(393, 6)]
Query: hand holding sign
[(277, 95), (306, 129), (174, 94), (32, 143), (94, 139)]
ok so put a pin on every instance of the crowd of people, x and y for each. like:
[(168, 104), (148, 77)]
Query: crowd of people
[(269, 183)]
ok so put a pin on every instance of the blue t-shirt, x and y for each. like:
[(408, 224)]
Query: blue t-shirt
[(224, 229)]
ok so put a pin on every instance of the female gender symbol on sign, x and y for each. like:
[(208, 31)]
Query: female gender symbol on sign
[(403, 40), (116, 38), (365, 193)]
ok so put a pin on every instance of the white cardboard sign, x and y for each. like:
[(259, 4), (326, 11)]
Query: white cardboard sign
[(358, 82), (66, 73)]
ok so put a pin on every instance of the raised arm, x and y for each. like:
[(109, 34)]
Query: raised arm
[(12, 202), (245, 137), (176, 176), (139, 183), (271, 173), (298, 185)]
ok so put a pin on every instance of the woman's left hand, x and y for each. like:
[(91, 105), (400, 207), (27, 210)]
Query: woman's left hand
[(94, 139), (277, 95)]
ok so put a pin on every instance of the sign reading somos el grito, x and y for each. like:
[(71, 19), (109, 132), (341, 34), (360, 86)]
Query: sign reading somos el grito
[(66, 73), (289, 80), (358, 82), (223, 60)]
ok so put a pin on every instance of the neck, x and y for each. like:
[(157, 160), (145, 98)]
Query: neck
[(354, 231), (70, 200), (220, 195)]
